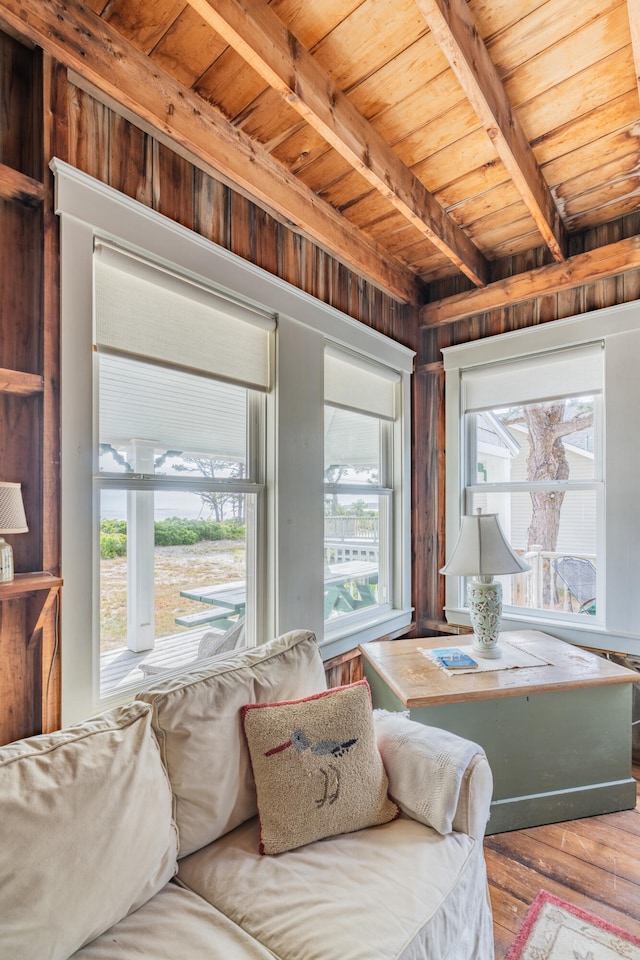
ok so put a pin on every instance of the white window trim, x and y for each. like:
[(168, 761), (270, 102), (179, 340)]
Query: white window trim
[(619, 328), (89, 208)]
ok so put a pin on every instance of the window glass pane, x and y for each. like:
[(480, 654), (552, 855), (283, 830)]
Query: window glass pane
[(554, 440), (351, 447), (355, 537), (159, 420), (153, 547), (554, 532)]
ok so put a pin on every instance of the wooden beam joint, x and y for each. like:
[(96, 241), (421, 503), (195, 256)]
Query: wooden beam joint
[(598, 264)]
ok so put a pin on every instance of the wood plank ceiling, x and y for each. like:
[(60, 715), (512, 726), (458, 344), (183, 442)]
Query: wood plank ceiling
[(413, 139)]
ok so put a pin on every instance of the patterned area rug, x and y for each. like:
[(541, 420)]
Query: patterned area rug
[(556, 930)]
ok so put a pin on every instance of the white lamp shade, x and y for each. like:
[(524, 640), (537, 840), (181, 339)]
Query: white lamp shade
[(482, 549), (12, 516)]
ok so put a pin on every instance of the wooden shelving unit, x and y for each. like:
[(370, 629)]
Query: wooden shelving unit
[(29, 371), (39, 589)]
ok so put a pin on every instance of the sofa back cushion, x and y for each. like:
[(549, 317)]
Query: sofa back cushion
[(87, 832), (196, 718)]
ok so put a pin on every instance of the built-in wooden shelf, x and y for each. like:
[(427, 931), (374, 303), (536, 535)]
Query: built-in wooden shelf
[(41, 588), (28, 583), (18, 186), (22, 384)]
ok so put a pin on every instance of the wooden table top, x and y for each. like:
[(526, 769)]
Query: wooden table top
[(419, 682)]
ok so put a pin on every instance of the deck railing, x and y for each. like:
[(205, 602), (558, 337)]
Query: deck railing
[(541, 587), (350, 538)]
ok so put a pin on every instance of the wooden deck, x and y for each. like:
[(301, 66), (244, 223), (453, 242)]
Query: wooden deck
[(121, 667), (593, 863)]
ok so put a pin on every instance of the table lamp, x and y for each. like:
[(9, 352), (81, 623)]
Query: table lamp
[(482, 552), (12, 520)]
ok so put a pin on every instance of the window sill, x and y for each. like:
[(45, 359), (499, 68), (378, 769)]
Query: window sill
[(346, 636), (579, 633)]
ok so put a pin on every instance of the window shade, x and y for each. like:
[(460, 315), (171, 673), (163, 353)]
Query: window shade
[(564, 373), (356, 384), (148, 311)]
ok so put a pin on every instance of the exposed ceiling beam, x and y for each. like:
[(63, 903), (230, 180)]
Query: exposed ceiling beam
[(84, 43), (633, 10), (607, 261), (262, 39), (455, 31)]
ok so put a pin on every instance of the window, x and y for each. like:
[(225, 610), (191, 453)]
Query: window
[(539, 431), (206, 400), (177, 467), (360, 407), (533, 456)]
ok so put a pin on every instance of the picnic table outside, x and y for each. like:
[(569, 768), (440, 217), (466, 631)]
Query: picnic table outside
[(227, 599), (347, 586)]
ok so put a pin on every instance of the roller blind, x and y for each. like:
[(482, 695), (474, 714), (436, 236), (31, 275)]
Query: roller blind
[(355, 383), (148, 311), (572, 372)]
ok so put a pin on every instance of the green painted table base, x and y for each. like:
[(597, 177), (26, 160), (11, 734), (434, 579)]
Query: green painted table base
[(555, 755)]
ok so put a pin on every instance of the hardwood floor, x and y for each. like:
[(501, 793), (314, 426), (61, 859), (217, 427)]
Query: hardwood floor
[(593, 863)]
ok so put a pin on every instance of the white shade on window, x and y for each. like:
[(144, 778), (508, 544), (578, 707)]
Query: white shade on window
[(146, 310), (564, 373), (354, 383)]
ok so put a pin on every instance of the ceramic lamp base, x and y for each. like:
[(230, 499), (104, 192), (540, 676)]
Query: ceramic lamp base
[(6, 561), (485, 612)]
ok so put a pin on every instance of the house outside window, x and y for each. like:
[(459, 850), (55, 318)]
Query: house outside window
[(538, 430), (195, 407)]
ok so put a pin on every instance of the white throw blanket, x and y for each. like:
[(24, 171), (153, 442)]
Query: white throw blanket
[(425, 766)]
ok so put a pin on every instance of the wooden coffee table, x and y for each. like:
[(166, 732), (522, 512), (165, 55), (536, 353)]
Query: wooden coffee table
[(557, 735)]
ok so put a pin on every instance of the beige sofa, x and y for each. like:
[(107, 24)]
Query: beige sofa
[(135, 834)]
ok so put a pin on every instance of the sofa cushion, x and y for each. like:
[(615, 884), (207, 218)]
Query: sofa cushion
[(317, 768), (399, 891), (196, 718), (175, 924), (87, 832)]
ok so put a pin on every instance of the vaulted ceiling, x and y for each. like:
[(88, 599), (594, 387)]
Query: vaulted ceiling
[(413, 139)]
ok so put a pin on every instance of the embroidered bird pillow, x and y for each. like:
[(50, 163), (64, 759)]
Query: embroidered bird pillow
[(316, 766)]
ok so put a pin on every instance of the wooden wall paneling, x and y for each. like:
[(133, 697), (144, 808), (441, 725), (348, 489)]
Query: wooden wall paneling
[(21, 350), (266, 241), (130, 159), (19, 673), (342, 288), (571, 302), (20, 135), (319, 285), (20, 449), (211, 209), (307, 276), (20, 286), (293, 251), (429, 457), (56, 144), (88, 134), (243, 223), (343, 669), (56, 131), (173, 186)]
